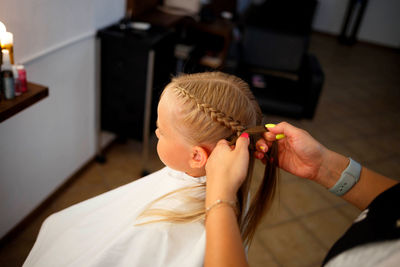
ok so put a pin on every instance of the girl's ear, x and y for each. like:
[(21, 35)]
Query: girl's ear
[(198, 157)]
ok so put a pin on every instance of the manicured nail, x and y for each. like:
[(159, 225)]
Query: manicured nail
[(270, 125), (246, 135), (279, 136), (262, 148)]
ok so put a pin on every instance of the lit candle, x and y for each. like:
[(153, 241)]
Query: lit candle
[(7, 42), (2, 30)]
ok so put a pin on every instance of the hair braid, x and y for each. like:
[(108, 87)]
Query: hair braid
[(215, 114)]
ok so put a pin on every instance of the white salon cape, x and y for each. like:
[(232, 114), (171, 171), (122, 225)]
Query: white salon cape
[(101, 231)]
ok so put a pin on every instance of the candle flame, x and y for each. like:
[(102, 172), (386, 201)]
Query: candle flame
[(2, 28)]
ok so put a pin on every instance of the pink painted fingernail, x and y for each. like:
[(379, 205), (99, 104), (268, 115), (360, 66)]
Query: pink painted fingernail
[(246, 135)]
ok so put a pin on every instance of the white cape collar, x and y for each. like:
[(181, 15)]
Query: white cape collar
[(184, 176)]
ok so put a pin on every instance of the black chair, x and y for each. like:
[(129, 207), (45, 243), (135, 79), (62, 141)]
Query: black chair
[(273, 57)]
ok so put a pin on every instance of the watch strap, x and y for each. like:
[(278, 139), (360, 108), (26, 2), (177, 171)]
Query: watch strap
[(348, 179)]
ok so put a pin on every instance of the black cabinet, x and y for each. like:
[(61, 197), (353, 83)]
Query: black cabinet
[(135, 67)]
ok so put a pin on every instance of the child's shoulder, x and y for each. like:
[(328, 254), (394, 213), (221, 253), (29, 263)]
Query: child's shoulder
[(138, 193), (142, 189)]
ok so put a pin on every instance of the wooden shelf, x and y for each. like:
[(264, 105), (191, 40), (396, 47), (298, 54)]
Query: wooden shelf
[(34, 94)]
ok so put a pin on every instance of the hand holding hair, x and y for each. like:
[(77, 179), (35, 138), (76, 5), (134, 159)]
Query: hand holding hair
[(237, 170), (299, 153), (226, 170), (224, 180)]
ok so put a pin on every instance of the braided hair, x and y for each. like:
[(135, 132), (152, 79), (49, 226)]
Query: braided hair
[(214, 99)]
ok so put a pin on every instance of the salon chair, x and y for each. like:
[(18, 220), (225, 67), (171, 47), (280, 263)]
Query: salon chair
[(273, 57)]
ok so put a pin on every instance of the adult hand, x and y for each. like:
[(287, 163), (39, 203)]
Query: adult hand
[(299, 153), (226, 169)]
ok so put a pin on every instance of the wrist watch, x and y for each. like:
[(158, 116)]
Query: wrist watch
[(348, 179)]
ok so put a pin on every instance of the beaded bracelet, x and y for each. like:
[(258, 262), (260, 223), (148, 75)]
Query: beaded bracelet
[(218, 202)]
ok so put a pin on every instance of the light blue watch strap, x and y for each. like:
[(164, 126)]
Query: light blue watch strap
[(349, 178)]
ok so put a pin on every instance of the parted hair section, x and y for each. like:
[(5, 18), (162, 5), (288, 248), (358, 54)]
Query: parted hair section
[(214, 106)]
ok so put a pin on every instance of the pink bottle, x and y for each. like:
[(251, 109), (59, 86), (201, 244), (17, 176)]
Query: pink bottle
[(22, 78)]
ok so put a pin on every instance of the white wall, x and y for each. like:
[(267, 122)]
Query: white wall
[(45, 144), (380, 25), (329, 15)]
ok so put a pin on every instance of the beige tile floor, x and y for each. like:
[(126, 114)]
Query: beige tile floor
[(358, 115)]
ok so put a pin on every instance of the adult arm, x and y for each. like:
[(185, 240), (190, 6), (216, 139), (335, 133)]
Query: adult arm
[(226, 170), (301, 155)]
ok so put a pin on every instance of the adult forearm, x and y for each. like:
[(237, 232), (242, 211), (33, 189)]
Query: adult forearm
[(369, 186), (224, 245), (226, 170)]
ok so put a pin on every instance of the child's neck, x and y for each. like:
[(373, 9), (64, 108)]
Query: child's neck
[(196, 172)]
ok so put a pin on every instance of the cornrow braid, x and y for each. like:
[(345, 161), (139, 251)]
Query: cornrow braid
[(215, 114)]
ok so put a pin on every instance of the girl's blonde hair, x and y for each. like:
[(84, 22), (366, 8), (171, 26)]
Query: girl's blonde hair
[(217, 106)]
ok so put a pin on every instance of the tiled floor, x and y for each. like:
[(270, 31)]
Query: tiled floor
[(358, 115)]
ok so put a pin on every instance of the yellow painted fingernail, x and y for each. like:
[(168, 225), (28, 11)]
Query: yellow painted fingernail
[(270, 125), (279, 136), (262, 148)]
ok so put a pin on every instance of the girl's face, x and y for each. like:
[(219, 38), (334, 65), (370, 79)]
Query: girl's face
[(172, 149)]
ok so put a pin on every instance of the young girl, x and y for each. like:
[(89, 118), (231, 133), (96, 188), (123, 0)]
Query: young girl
[(159, 220)]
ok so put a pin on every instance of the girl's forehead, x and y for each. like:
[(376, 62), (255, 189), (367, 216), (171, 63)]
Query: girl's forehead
[(170, 102), (168, 112)]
